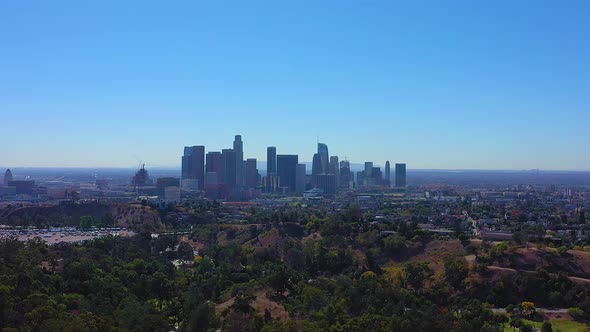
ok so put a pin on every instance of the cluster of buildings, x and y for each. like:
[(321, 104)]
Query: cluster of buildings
[(11, 188), (226, 174)]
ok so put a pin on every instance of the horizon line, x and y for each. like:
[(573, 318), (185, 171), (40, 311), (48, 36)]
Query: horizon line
[(176, 168)]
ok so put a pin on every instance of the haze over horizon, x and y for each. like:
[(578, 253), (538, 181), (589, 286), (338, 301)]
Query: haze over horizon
[(497, 85)]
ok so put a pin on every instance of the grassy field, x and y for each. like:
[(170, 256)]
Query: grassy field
[(560, 325)]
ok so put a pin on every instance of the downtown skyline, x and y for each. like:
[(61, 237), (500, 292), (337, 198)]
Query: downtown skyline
[(496, 86)]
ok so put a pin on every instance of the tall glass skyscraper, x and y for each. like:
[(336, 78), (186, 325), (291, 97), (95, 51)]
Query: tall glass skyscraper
[(287, 171), (193, 164), (228, 164), (400, 175), (324, 157), (271, 160), (239, 149)]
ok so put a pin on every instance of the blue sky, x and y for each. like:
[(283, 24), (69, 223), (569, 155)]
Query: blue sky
[(436, 84)]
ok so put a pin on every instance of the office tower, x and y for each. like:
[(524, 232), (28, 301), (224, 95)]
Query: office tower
[(287, 171), (239, 148), (271, 160), (251, 174), (324, 157), (368, 169), (345, 174), (193, 164), (400, 175), (316, 165), (327, 183), (271, 179), (7, 177), (228, 168), (377, 176), (316, 168), (360, 178), (213, 166), (300, 179), (387, 171), (334, 169)]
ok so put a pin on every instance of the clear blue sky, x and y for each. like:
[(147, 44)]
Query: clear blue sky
[(438, 84)]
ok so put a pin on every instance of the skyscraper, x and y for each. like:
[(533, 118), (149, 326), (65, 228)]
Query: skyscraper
[(368, 169), (345, 174), (300, 179), (193, 164), (239, 148), (334, 168), (7, 177), (400, 175), (327, 183), (324, 157), (376, 175), (251, 174), (387, 171), (271, 160), (287, 171), (228, 165), (316, 166), (214, 165), (368, 175)]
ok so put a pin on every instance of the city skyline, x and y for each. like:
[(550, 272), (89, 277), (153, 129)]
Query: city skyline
[(497, 86)]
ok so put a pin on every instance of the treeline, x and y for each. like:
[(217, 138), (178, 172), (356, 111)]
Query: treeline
[(331, 272)]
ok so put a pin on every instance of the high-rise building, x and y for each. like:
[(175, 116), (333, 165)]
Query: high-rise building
[(327, 183), (193, 164), (316, 165), (271, 180), (271, 160), (387, 171), (287, 171), (334, 169), (251, 174), (377, 176), (368, 169), (7, 177), (368, 174), (400, 175), (228, 168), (300, 179), (239, 148), (324, 157), (360, 178), (214, 165), (346, 175)]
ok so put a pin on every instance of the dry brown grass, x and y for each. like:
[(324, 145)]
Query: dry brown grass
[(436, 251), (260, 303)]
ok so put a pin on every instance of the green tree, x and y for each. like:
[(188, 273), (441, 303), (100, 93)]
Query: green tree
[(395, 245), (455, 270), (546, 327), (86, 222), (185, 251), (417, 273)]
